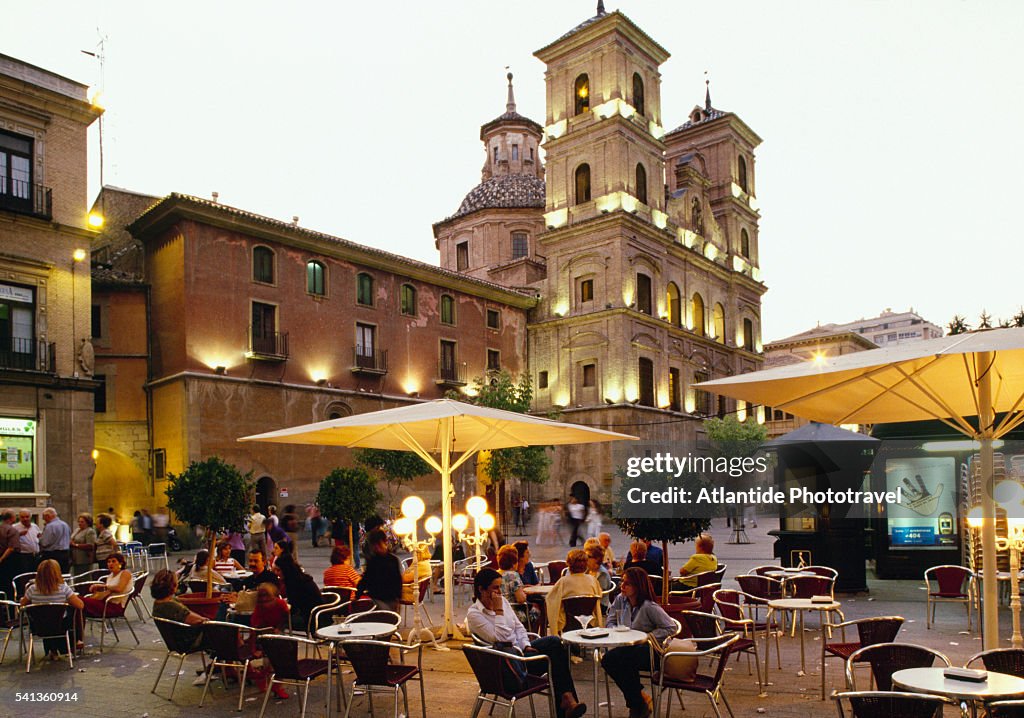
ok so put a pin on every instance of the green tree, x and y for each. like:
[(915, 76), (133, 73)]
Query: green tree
[(958, 325), (394, 467), (985, 320), (1018, 318), (212, 494), (349, 496), (666, 525), (728, 437)]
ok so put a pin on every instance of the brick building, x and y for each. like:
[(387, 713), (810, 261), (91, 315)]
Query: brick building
[(46, 365)]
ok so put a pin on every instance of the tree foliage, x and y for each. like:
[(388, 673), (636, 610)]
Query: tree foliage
[(958, 325), (348, 495), (731, 437), (394, 467), (212, 494)]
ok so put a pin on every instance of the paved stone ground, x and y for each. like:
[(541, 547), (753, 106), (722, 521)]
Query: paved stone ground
[(118, 682)]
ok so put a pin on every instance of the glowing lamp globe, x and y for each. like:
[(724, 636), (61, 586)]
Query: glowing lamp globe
[(460, 522), (476, 506), (974, 519), (413, 507), (433, 525), (402, 526), (486, 522), (1008, 494)]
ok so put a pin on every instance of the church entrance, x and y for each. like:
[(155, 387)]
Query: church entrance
[(266, 493)]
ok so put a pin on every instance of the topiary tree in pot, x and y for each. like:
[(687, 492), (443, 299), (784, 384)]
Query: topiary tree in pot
[(349, 496), (212, 494)]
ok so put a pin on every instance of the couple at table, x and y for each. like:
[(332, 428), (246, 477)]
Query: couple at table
[(491, 618)]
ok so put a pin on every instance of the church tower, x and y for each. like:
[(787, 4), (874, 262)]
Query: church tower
[(493, 234)]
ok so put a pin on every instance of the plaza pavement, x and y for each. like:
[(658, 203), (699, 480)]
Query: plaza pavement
[(118, 682)]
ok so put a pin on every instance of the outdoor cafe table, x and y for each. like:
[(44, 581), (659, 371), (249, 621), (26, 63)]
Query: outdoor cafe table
[(799, 605), (339, 633), (998, 686), (611, 638)]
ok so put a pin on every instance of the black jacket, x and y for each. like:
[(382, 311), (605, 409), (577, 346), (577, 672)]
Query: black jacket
[(383, 578)]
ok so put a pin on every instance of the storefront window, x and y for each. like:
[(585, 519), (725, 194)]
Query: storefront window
[(17, 455)]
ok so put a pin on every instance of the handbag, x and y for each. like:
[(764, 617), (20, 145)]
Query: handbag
[(245, 601), (679, 668)]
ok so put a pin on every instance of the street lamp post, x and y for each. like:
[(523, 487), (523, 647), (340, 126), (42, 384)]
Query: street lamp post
[(483, 522), (405, 528)]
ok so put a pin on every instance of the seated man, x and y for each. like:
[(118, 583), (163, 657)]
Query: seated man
[(702, 561), (260, 572), (491, 618)]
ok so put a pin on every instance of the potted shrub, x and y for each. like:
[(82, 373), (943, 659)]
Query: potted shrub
[(349, 496)]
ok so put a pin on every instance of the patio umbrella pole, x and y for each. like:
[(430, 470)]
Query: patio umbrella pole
[(986, 422), (450, 629)]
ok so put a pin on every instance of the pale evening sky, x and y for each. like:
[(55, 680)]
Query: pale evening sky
[(887, 177)]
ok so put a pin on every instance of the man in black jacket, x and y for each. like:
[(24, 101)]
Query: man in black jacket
[(382, 580)]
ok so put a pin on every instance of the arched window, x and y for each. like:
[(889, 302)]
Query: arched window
[(718, 323), (263, 265), (581, 94), (645, 381), (583, 183), (447, 309), (641, 183), (741, 174), (638, 93), (748, 335), (672, 303), (697, 314), (744, 243), (315, 278), (408, 299), (643, 294), (364, 289), (697, 216)]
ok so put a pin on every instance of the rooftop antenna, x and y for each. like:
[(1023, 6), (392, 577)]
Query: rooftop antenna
[(100, 56)]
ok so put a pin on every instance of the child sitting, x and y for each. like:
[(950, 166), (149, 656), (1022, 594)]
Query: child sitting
[(271, 612)]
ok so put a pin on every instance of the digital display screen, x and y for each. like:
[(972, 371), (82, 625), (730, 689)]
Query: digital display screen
[(926, 513)]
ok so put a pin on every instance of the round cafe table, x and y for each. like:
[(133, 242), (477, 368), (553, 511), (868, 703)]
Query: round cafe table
[(603, 639), (800, 606), (341, 632), (998, 686)]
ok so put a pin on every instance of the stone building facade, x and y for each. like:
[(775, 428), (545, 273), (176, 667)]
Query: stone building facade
[(644, 253), (46, 360)]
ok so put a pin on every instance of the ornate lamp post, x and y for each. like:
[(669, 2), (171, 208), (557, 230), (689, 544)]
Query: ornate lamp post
[(1013, 542), (405, 528), (483, 522)]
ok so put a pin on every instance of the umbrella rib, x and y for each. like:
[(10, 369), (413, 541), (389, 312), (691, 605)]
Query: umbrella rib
[(974, 382), (912, 378), (499, 428), (403, 435), (492, 430), (830, 387), (1009, 423)]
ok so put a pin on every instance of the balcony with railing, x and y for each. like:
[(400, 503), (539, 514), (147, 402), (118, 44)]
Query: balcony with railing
[(451, 374), (27, 354), (368, 361), (269, 346), (26, 198)]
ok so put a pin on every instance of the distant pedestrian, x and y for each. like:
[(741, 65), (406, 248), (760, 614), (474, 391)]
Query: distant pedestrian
[(55, 540), (577, 512), (257, 531), (83, 546), (290, 524), (593, 520), (160, 523), (146, 523)]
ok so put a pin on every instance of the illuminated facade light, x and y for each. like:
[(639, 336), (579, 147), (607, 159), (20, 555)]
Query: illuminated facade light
[(79, 255), (557, 129), (95, 220), (659, 218), (556, 218), (818, 358)]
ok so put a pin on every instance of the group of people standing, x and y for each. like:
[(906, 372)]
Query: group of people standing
[(584, 519)]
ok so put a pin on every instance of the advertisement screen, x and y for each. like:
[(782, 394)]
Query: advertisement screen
[(926, 513)]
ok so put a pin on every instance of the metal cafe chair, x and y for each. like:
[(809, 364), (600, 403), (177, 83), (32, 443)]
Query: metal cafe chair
[(887, 658), (375, 673), (1001, 660), (708, 684), (489, 667), (182, 640), (956, 584), (890, 704), (49, 621), (880, 629)]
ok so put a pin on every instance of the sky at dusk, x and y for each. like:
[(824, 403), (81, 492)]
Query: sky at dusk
[(887, 178)]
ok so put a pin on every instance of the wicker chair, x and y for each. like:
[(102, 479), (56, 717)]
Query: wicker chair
[(489, 667), (709, 685), (956, 584), (112, 611), (887, 658), (223, 641), (573, 606), (555, 569), (704, 593), (282, 652), (1005, 709), (887, 704), (376, 674), (733, 607), (870, 631), (139, 583), (707, 629), (826, 571), (1001, 660), (182, 640), (49, 620)]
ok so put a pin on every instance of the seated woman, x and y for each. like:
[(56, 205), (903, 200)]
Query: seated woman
[(224, 561), (490, 617), (635, 607), (49, 587), (702, 561), (341, 572), (575, 583), (512, 585), (299, 587), (117, 582), (596, 568), (638, 557), (164, 589), (424, 570), (201, 569), (525, 567)]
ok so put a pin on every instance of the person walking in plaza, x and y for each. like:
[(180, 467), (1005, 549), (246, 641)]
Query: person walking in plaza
[(577, 512), (258, 531), (55, 540), (8, 552), (146, 524), (290, 524), (160, 523), (382, 580), (636, 608), (593, 520), (28, 543), (83, 546), (491, 618)]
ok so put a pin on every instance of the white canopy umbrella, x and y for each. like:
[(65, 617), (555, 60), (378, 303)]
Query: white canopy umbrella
[(435, 431), (952, 379)]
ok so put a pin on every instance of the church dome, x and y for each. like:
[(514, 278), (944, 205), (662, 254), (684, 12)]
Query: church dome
[(503, 192)]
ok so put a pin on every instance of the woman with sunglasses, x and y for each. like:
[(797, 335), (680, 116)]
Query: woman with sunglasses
[(635, 607)]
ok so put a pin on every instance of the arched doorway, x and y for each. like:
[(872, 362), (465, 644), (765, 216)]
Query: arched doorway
[(120, 484), (266, 492), (581, 490)]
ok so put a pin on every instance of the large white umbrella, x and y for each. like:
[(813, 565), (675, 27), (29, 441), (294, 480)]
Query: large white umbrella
[(957, 379), (436, 431)]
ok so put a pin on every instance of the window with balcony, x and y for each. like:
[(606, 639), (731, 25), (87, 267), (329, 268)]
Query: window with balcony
[(408, 300), (493, 319), (645, 379), (447, 309), (17, 191), (265, 341), (18, 348), (366, 345), (364, 289), (520, 245), (581, 94), (493, 360), (263, 265), (462, 256), (448, 365), (643, 294), (316, 278)]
